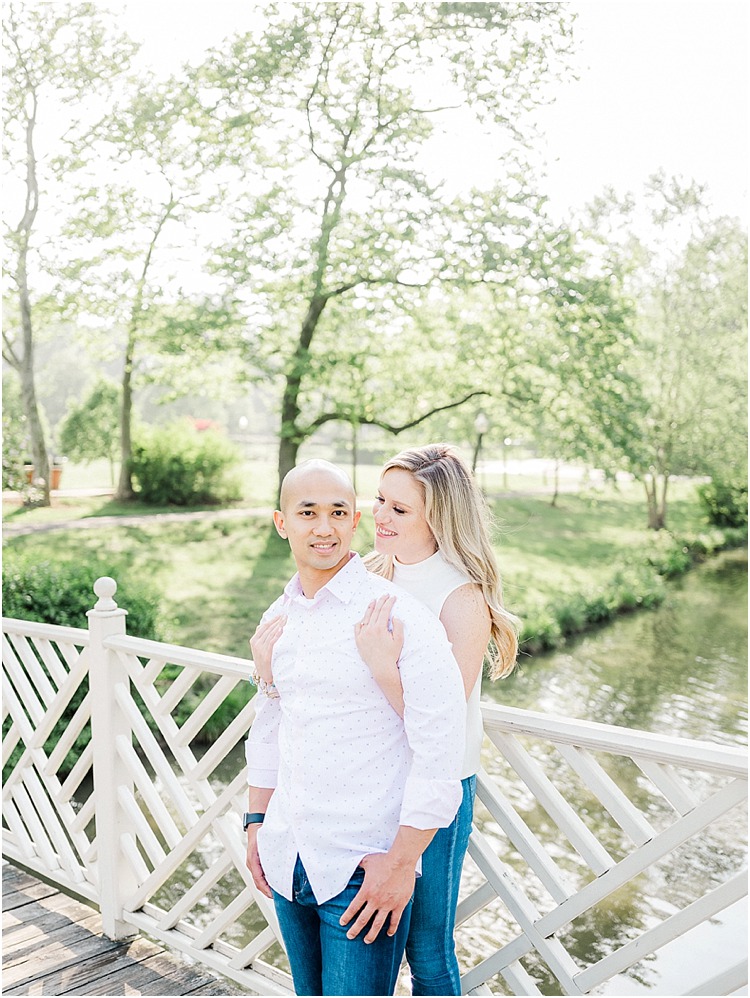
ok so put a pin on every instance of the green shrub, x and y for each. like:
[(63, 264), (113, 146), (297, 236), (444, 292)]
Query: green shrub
[(540, 630), (635, 586), (669, 556), (179, 465), (61, 593), (570, 614), (724, 502)]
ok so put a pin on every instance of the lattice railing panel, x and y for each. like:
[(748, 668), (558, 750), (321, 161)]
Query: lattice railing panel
[(183, 825), (46, 710), (571, 819), (574, 822)]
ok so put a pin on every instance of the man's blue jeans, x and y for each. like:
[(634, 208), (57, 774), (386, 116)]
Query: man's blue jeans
[(430, 949), (323, 960)]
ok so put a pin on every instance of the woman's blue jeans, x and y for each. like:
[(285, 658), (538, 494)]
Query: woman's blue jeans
[(430, 948), (323, 960)]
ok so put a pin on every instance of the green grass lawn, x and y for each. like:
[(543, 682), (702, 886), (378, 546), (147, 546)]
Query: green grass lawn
[(217, 577)]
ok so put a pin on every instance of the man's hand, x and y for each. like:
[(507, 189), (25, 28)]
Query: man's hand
[(253, 862), (386, 891)]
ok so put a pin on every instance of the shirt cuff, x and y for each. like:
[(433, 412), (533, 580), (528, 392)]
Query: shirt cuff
[(267, 778), (430, 803)]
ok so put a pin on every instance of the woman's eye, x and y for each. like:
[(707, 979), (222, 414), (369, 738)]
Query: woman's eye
[(379, 499), (397, 510)]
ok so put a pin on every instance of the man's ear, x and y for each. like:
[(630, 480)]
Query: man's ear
[(278, 522), (356, 517)]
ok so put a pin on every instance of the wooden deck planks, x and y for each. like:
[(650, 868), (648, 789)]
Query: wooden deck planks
[(53, 945)]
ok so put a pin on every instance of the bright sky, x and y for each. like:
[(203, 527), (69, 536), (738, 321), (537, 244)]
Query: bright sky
[(662, 85)]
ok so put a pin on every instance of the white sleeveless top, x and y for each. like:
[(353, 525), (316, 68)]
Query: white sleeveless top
[(432, 581)]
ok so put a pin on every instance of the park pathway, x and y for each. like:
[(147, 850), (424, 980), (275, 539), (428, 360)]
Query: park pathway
[(94, 522), (53, 945)]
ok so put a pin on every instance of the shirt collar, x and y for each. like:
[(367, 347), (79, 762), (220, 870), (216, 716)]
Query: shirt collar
[(343, 585)]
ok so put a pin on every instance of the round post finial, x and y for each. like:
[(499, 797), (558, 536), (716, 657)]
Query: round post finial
[(105, 588)]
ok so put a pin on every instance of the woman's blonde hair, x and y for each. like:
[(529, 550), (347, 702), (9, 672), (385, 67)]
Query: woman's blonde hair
[(458, 516)]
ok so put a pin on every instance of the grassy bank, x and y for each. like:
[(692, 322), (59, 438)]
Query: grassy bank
[(565, 568)]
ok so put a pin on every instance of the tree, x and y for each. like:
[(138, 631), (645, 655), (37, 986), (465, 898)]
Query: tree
[(90, 428), (688, 279), (55, 57), (324, 117), (156, 182)]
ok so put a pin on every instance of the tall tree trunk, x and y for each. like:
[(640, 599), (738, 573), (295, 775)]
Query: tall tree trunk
[(25, 363), (288, 450), (124, 491), (355, 454), (556, 487), (657, 506), (292, 435), (125, 487)]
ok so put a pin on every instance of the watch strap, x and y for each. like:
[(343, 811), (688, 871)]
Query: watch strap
[(252, 818)]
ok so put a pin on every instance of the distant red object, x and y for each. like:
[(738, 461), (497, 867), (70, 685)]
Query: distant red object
[(55, 476), (205, 424)]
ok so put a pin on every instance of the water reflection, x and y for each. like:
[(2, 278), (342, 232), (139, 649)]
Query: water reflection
[(678, 670)]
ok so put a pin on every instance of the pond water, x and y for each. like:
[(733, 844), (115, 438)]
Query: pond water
[(679, 670)]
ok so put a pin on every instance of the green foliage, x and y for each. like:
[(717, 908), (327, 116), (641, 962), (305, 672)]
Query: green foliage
[(91, 428), (16, 444), (724, 502), (178, 464), (631, 587), (637, 583), (62, 592), (687, 279)]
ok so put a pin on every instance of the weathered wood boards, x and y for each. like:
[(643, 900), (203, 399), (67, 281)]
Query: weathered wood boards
[(53, 945)]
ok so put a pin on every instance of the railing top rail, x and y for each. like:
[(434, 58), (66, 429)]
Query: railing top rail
[(33, 629), (621, 741), (224, 665)]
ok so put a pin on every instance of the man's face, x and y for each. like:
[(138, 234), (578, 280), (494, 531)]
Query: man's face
[(318, 520)]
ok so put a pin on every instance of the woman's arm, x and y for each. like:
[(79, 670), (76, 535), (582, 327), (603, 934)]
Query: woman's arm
[(380, 647), (262, 643), (466, 620)]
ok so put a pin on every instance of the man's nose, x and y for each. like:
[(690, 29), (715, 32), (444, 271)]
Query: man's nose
[(323, 526)]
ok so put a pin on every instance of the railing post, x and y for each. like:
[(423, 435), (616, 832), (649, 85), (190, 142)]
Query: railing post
[(108, 722)]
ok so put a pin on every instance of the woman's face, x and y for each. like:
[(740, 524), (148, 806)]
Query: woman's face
[(400, 525)]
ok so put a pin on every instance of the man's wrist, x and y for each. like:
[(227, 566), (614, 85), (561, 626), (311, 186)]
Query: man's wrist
[(252, 818)]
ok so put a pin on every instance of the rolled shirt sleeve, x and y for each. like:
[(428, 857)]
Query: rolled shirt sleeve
[(262, 744), (435, 722)]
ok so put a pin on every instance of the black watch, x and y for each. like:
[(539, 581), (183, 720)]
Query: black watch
[(254, 818)]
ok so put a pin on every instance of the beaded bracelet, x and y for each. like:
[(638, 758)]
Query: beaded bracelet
[(269, 689)]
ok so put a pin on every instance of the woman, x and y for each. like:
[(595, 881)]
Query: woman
[(432, 539)]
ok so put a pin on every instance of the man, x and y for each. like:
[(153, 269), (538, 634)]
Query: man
[(344, 794)]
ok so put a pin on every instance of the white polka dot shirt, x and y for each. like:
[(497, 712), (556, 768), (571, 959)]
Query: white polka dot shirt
[(346, 769)]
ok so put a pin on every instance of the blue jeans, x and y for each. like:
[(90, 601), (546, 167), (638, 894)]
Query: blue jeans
[(323, 960), (430, 949)]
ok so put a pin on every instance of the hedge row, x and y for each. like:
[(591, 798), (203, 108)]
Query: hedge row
[(636, 583)]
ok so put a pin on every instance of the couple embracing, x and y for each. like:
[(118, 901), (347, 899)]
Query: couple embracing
[(363, 755)]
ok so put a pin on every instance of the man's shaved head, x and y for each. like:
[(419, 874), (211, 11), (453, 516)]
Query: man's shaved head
[(315, 469)]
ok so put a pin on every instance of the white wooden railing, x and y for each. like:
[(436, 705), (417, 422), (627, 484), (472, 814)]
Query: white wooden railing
[(144, 811)]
